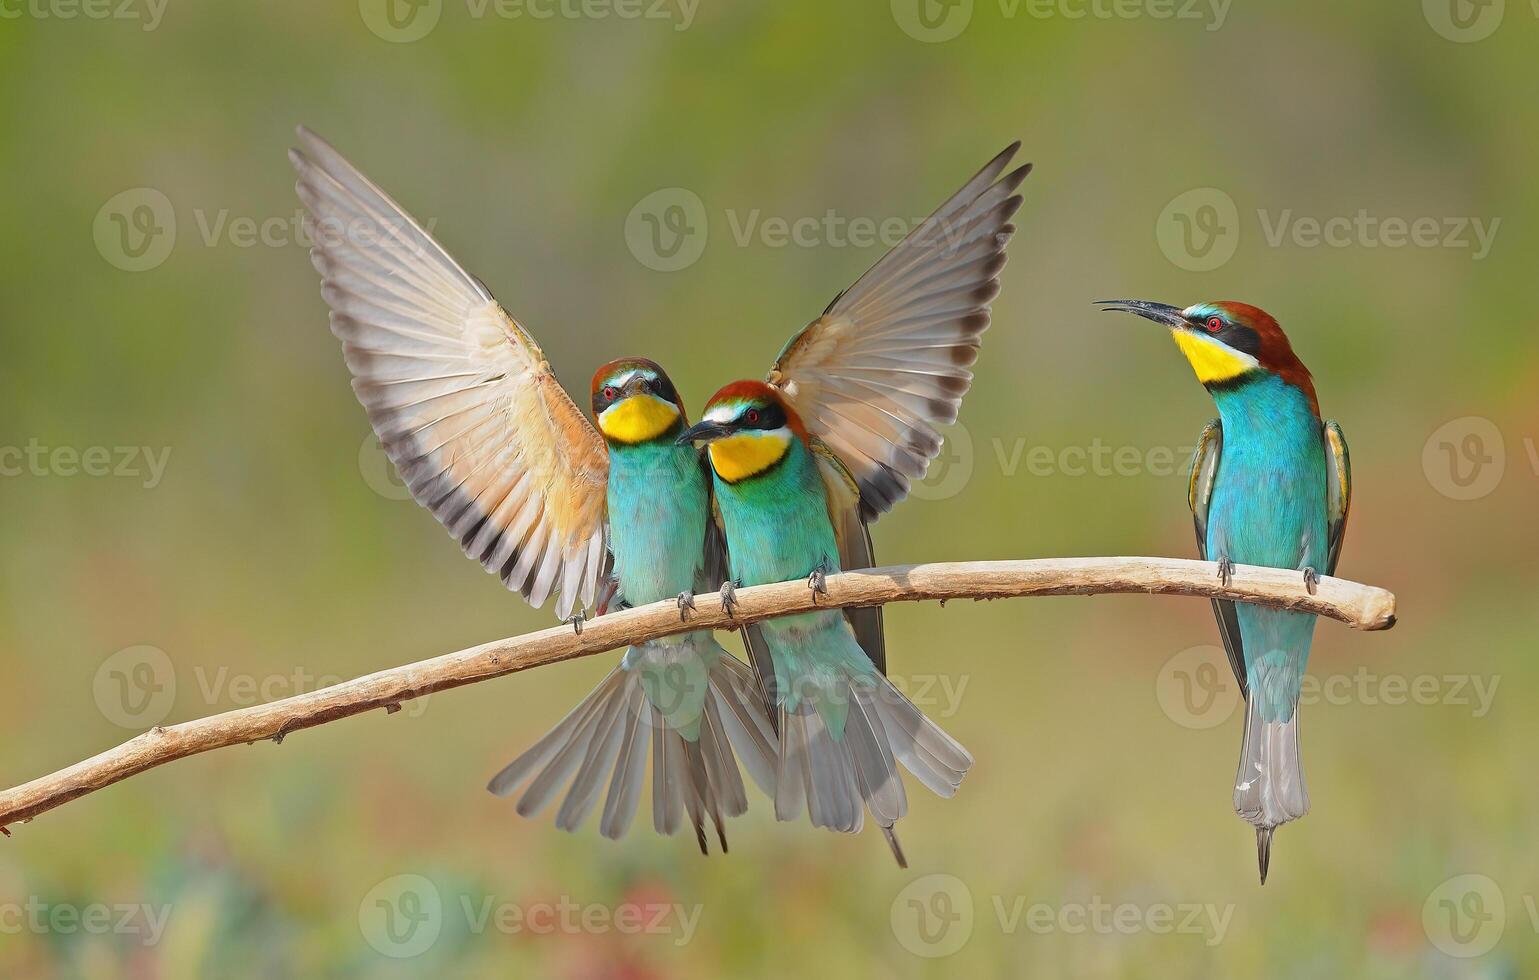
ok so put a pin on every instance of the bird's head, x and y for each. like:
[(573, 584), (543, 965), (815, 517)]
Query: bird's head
[(1227, 343), (747, 428), (634, 402)]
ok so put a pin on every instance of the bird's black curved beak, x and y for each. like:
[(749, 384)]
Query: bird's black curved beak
[(1161, 313), (705, 431)]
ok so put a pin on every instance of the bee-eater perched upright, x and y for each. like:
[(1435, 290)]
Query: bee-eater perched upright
[(1271, 485), (803, 460)]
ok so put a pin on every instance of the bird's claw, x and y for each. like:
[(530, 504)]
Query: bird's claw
[(686, 601), (818, 580), (1225, 571), (577, 622), (1311, 580), (729, 597)]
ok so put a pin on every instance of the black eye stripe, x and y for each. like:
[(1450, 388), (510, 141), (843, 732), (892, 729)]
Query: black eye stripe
[(770, 417), (1242, 338)]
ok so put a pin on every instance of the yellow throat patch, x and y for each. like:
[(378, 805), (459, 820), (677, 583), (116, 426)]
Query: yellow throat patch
[(1211, 360), (637, 419), (738, 457)]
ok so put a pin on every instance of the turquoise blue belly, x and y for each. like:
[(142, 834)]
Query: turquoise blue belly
[(1268, 508)]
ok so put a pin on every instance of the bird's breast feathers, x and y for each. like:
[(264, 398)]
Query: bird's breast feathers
[(1214, 362), (639, 418), (740, 456)]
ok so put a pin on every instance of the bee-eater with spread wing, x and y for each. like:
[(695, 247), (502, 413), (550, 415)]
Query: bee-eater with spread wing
[(1271, 485), (802, 461), (472, 416), (483, 435)]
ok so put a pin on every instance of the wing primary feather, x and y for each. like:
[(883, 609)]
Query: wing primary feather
[(461, 397), (887, 361)]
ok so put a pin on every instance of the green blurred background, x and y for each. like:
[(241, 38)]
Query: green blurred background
[(153, 293)]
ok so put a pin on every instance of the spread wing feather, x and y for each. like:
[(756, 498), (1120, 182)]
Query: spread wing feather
[(462, 399), (1199, 496), (888, 360)]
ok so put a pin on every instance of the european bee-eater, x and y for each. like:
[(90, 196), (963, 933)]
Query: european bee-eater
[(803, 460), (483, 435), (782, 497), (699, 700), (1271, 484), (471, 414)]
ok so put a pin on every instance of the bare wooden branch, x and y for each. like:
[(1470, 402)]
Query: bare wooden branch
[(1359, 606)]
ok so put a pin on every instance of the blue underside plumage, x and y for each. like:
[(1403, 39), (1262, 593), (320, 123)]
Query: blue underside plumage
[(659, 504), (778, 528), (658, 507), (1269, 508)]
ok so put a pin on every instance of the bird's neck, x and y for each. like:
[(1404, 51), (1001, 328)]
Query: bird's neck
[(1265, 407)]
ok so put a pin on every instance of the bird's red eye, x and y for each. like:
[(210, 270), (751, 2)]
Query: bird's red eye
[(752, 416), (1215, 324), (609, 393)]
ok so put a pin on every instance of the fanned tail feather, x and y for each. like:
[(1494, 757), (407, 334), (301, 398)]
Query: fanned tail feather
[(608, 736), (838, 779)]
